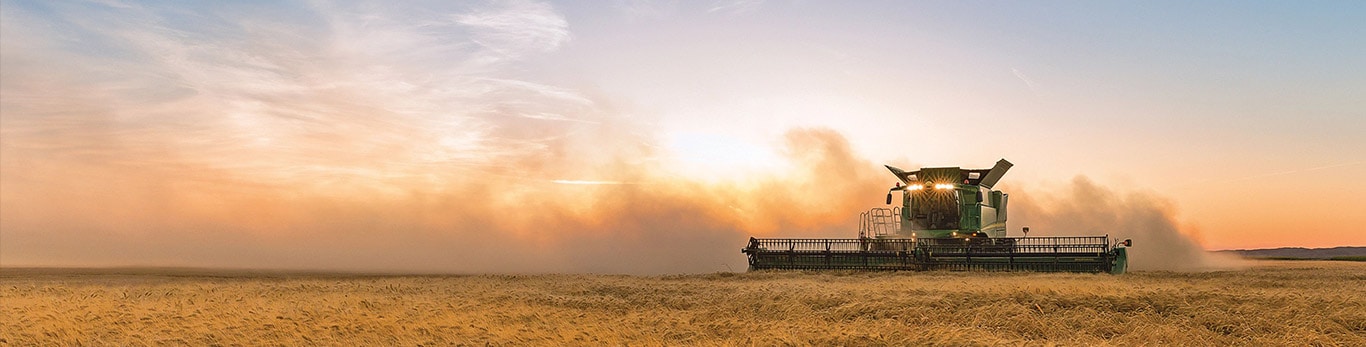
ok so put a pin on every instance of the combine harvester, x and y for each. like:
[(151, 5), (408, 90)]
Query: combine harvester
[(949, 219)]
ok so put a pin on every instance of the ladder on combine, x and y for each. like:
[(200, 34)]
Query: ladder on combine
[(879, 222)]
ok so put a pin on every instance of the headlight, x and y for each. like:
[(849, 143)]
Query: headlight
[(915, 187), (943, 186)]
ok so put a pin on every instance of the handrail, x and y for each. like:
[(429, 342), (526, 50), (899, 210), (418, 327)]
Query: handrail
[(879, 222)]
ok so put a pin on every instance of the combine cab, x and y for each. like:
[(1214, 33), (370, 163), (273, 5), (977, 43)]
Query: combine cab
[(949, 219)]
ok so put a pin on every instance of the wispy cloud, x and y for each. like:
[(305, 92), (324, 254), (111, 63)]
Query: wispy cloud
[(641, 10), (589, 182), (378, 96), (735, 6), (554, 117), (517, 27), (1028, 82)]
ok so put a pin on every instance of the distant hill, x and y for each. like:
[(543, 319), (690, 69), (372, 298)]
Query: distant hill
[(1301, 252)]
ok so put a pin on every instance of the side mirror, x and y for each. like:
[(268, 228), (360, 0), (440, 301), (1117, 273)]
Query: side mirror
[(1128, 243), (889, 198)]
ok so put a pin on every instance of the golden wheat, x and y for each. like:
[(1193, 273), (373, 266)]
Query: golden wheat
[(1273, 303)]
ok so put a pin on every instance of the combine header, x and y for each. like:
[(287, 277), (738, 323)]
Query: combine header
[(949, 219)]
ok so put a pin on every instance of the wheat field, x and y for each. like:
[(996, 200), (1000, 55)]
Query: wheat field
[(1270, 303)]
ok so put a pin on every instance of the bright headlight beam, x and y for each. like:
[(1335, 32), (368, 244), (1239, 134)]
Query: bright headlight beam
[(943, 186)]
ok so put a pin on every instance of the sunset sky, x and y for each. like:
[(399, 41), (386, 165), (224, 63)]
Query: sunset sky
[(654, 136)]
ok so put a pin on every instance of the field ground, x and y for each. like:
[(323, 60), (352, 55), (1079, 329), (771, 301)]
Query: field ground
[(1272, 303)]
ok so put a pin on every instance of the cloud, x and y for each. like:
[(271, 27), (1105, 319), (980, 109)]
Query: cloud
[(517, 27), (371, 95), (734, 7), (641, 10), (1028, 82)]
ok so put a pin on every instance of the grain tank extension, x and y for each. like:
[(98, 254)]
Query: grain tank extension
[(949, 219)]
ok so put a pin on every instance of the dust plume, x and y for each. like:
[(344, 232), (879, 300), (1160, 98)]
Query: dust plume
[(1086, 208), (77, 215)]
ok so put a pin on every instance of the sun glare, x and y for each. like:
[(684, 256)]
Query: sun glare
[(717, 157)]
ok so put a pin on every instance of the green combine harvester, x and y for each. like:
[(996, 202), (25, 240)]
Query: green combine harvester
[(949, 219)]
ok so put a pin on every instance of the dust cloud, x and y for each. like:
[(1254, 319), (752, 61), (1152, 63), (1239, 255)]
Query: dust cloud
[(1083, 207), (71, 214), (644, 221)]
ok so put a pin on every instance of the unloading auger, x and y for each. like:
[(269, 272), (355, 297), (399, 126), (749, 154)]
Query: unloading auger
[(949, 219)]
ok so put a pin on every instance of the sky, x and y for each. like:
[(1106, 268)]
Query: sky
[(657, 136)]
